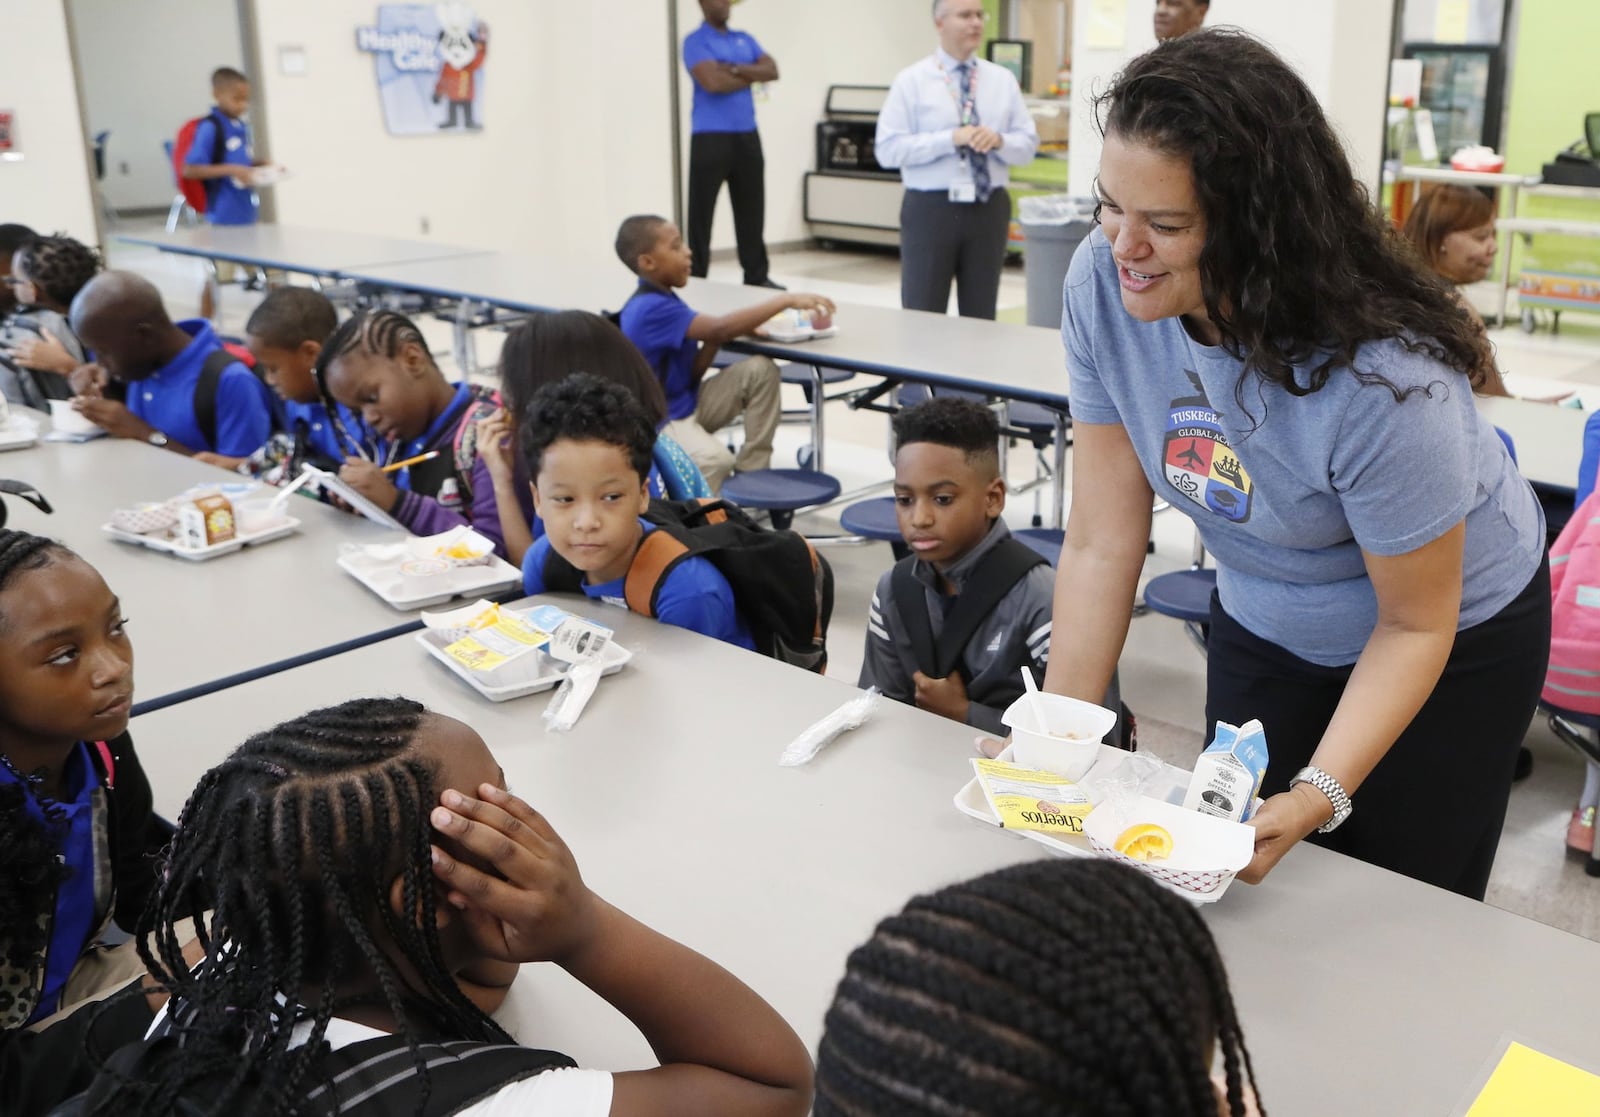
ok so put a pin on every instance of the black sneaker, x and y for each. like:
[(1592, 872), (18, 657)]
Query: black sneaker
[(766, 283)]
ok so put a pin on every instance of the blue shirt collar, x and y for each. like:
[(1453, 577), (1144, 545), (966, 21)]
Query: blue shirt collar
[(442, 422), (202, 340)]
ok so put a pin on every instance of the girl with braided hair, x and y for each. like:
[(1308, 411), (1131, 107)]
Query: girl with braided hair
[(365, 888), (1062, 987), (77, 832), (38, 349), (378, 365)]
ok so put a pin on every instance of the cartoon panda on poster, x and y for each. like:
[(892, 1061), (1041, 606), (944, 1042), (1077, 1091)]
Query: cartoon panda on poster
[(463, 44)]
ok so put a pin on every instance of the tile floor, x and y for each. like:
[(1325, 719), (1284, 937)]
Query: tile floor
[(1162, 673)]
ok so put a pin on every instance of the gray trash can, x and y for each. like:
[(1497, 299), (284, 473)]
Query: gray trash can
[(1053, 225)]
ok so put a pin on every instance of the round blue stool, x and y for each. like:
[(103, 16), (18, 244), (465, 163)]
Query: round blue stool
[(875, 519), (1185, 595), (780, 492), (1045, 540)]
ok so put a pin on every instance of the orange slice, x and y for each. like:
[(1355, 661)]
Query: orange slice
[(1145, 841)]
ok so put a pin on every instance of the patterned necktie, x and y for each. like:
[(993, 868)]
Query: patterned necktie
[(977, 160)]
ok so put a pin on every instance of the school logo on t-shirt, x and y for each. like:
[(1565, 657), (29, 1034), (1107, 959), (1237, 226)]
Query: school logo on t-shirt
[(1198, 461)]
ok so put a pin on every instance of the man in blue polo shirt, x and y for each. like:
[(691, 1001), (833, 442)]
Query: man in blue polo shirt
[(224, 164), (724, 145), (120, 317)]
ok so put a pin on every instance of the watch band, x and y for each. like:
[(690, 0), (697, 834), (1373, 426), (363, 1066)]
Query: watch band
[(1330, 787)]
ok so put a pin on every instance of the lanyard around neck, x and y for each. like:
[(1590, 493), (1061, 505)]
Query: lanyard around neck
[(966, 108)]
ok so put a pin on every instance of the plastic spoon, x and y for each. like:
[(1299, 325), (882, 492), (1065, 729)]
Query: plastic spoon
[(1035, 703)]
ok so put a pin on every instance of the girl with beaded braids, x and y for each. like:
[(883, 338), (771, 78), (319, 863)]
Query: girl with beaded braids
[(1246, 336), (38, 349), (365, 887), (378, 365), (972, 1002), (77, 834)]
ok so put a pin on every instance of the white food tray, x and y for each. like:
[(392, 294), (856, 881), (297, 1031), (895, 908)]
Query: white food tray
[(970, 801), (528, 674), (383, 579), (162, 541), (787, 337)]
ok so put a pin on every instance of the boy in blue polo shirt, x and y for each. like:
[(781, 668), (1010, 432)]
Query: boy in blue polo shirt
[(179, 396), (224, 164), (588, 446), (679, 346)]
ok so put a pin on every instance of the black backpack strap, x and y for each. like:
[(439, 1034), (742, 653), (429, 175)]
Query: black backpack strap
[(219, 147), (911, 607), (994, 576), (205, 394), (376, 1077)]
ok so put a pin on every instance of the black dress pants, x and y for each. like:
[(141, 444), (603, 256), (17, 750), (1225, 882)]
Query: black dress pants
[(941, 241), (1433, 807), (734, 158)]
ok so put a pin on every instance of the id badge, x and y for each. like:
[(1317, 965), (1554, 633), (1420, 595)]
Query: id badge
[(963, 193)]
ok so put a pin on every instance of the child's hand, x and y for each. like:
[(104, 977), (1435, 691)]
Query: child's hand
[(946, 697), (88, 381), (494, 447), (815, 304), (221, 461), (114, 417), (370, 481), (244, 176), (45, 354), (533, 907)]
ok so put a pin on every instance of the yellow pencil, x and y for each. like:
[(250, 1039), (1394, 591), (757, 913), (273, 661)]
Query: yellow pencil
[(392, 466)]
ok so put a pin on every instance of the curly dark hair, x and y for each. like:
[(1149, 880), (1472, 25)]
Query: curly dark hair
[(1065, 987), (1298, 268), (961, 424), (292, 842), (59, 267), (545, 348), (585, 408)]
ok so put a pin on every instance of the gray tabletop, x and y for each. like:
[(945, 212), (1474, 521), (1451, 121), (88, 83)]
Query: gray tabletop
[(997, 358), (195, 623), (508, 280), (289, 248), (1549, 439), (1360, 991)]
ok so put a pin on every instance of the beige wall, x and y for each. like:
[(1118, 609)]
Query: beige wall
[(817, 43), (1340, 48), (48, 189), (576, 128)]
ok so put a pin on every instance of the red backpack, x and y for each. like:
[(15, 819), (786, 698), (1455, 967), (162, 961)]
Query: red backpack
[(197, 191)]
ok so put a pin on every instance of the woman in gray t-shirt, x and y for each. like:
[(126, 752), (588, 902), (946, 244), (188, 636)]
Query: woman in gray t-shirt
[(1248, 338)]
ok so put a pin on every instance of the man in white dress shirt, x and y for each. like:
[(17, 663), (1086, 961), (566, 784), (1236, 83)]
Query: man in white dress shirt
[(954, 124)]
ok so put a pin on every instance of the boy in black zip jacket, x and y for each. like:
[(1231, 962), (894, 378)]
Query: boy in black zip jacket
[(951, 627)]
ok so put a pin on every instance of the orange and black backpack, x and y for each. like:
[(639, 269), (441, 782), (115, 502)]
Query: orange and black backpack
[(782, 588)]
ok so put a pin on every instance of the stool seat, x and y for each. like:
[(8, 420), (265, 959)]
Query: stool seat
[(1184, 594), (1045, 540), (872, 519), (1031, 416), (780, 492), (801, 374)]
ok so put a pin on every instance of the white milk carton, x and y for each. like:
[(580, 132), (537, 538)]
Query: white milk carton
[(1227, 776)]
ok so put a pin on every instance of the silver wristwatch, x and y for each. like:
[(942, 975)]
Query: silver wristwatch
[(1330, 787), (156, 438)]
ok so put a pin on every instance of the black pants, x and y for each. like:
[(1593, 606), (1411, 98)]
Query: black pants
[(1433, 807), (941, 240), (734, 158)]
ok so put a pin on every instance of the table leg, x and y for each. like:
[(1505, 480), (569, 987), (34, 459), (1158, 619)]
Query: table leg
[(214, 285), (1507, 240), (818, 401), (1058, 482), (465, 346)]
